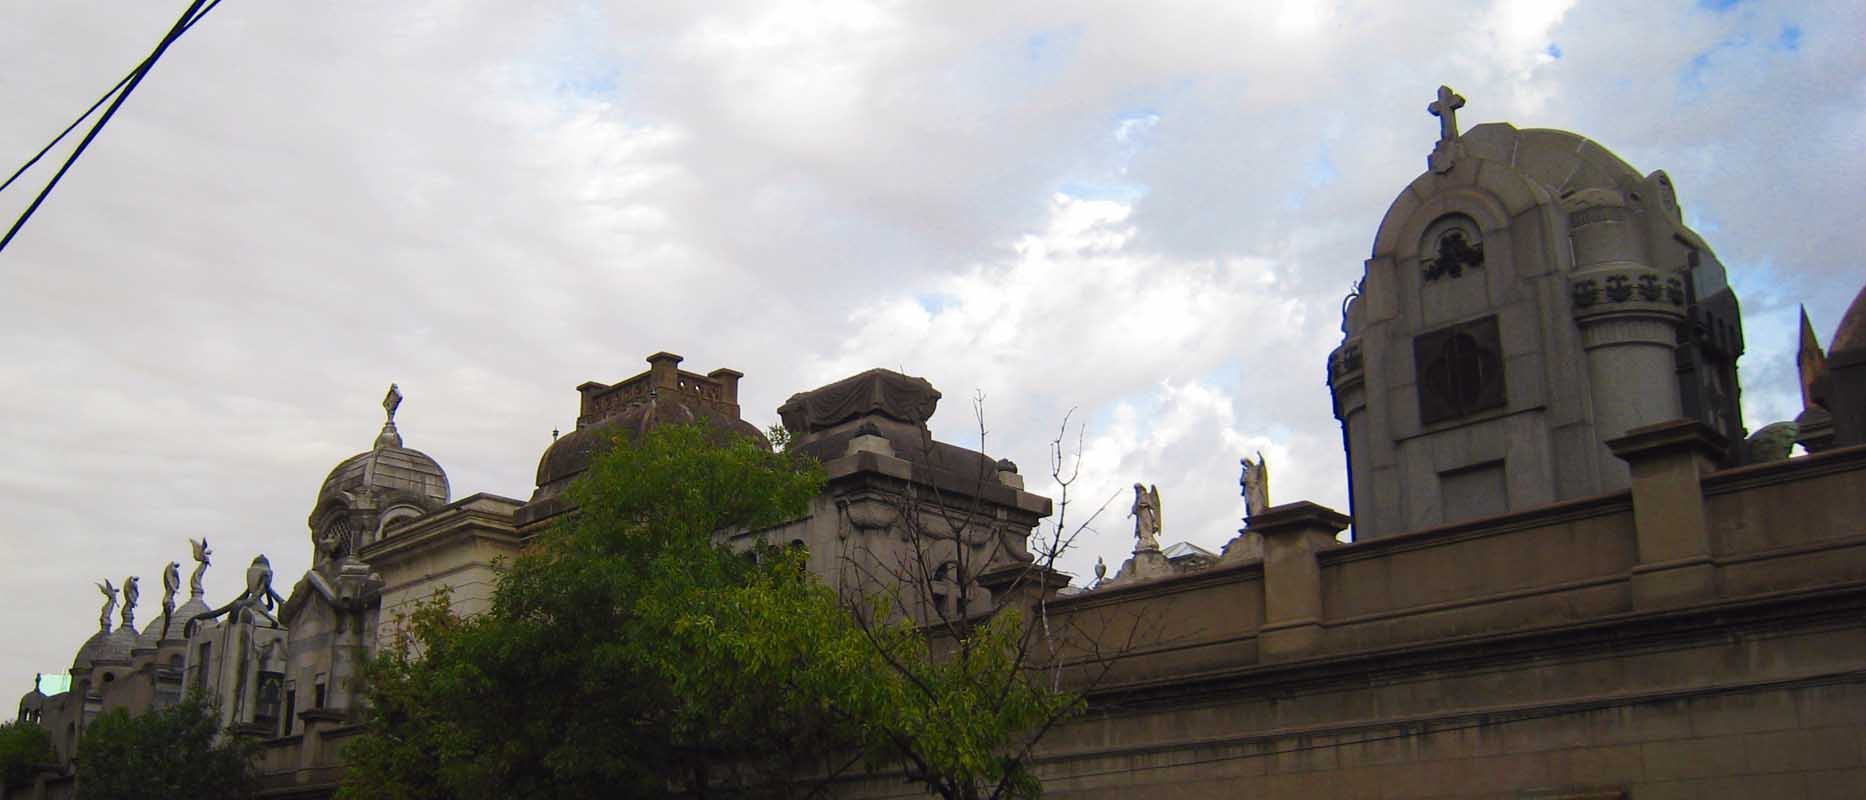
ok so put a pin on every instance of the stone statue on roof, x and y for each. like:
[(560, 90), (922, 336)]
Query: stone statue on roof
[(256, 601), (1256, 485), (202, 556), (110, 604), (1146, 514), (171, 583), (132, 592)]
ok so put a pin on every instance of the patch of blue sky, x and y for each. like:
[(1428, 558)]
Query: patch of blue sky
[(1227, 377), (1052, 47), (1719, 5), (1705, 226), (1107, 180), (581, 64), (933, 304), (1790, 38), (602, 85), (1321, 169), (1691, 79), (1554, 51)]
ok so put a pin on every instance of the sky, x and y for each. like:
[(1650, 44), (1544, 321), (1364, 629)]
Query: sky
[(1137, 217)]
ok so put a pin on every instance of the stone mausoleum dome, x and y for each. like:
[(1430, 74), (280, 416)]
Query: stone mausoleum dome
[(663, 395), (369, 491)]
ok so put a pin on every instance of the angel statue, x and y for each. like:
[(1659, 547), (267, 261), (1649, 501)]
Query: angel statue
[(1256, 484), (1146, 514), (110, 604), (132, 592)]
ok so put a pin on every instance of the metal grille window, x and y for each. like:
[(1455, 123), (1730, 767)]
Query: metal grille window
[(1460, 370)]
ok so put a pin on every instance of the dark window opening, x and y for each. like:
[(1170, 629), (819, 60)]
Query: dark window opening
[(1460, 370)]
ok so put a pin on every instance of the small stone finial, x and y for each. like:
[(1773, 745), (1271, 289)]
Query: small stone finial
[(554, 434), (1101, 570), (389, 436), (392, 401), (1446, 109)]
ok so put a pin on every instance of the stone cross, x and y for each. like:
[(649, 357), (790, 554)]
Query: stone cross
[(1446, 109)]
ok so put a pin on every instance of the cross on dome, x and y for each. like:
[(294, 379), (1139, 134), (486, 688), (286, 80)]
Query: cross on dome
[(1446, 109)]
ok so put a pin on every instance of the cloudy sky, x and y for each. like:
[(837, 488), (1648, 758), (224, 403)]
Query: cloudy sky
[(1145, 212)]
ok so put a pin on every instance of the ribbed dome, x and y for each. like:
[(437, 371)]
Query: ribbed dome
[(152, 632), (386, 471), (104, 646), (389, 470)]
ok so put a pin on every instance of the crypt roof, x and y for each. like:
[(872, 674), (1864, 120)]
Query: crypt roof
[(386, 471), (152, 632), (663, 395)]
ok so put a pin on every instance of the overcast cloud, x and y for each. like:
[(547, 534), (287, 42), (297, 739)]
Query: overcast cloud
[(1145, 212)]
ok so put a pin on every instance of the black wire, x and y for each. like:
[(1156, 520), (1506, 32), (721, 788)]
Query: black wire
[(192, 15), (87, 112)]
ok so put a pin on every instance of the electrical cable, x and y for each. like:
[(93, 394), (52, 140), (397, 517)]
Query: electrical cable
[(87, 112), (122, 91)]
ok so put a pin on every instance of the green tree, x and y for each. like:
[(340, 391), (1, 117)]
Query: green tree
[(23, 745), (627, 653), (176, 753)]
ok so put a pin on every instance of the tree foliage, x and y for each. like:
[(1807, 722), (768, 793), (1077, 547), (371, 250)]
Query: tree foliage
[(174, 753), (627, 653), (23, 745)]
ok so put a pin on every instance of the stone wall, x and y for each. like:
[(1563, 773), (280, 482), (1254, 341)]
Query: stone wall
[(1558, 652)]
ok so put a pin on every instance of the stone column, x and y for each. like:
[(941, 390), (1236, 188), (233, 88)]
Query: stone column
[(1629, 314), (1292, 578), (1667, 461)]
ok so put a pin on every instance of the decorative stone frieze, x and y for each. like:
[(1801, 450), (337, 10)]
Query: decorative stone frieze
[(1626, 288)]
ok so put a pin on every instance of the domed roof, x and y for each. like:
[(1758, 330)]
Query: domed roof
[(573, 452), (388, 469), (152, 632), (104, 646), (31, 701), (1851, 333), (664, 395)]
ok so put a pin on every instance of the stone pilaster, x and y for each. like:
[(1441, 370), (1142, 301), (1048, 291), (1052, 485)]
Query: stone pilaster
[(1667, 462), (1292, 578)]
